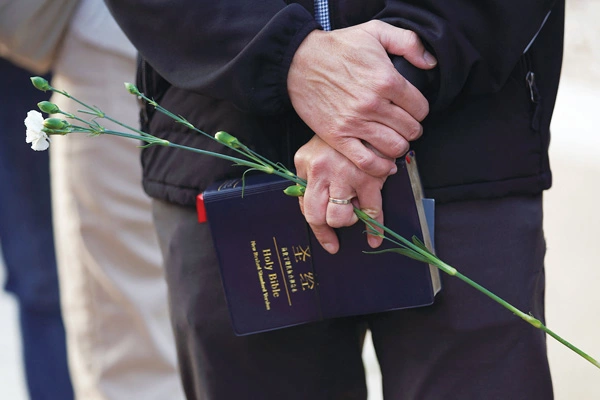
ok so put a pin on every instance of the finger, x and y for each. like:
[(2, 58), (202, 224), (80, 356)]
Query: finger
[(327, 237), (339, 215), (407, 98), (314, 206), (390, 86), (370, 201), (391, 101), (366, 159), (404, 43), (391, 135)]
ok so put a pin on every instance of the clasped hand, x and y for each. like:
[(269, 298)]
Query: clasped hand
[(364, 114)]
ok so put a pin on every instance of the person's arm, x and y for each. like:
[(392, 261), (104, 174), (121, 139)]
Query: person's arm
[(477, 42), (344, 85), (345, 88), (239, 51), (242, 52)]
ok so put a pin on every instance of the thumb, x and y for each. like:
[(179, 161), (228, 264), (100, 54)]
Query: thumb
[(402, 42)]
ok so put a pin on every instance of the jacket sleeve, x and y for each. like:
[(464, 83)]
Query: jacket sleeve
[(239, 51), (477, 42)]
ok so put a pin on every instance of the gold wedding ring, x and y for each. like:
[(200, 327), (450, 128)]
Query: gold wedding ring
[(339, 201)]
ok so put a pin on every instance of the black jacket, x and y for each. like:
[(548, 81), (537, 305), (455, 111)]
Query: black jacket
[(223, 65)]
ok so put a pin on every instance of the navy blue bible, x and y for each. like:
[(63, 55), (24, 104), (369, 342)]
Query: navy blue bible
[(275, 274)]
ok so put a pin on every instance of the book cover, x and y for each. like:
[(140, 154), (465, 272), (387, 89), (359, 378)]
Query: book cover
[(275, 274)]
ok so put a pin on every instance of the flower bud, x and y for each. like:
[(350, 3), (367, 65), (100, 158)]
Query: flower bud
[(228, 139), (55, 123), (48, 107), (295, 190), (131, 88), (40, 83)]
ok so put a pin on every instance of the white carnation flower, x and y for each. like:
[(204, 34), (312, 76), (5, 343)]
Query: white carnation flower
[(35, 123)]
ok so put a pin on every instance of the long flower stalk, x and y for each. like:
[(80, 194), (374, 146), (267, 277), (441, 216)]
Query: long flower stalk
[(417, 250), (253, 161)]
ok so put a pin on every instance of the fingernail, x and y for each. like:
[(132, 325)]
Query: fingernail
[(393, 170), (429, 58)]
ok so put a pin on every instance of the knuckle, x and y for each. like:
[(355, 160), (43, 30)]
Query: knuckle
[(369, 23), (370, 165), (422, 111), (311, 165), (398, 148), (335, 223), (312, 219), (372, 24), (403, 149), (299, 160), (413, 131), (384, 83), (365, 162), (365, 105), (386, 80), (373, 212), (319, 165), (411, 41), (340, 222)]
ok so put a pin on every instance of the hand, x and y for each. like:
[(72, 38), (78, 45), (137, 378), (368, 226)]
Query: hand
[(345, 88), (331, 174)]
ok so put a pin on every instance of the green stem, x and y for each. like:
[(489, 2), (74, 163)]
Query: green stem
[(433, 260), (240, 161), (142, 133), (243, 150), (161, 142), (570, 346), (98, 113), (236, 160), (268, 166), (527, 318), (67, 95)]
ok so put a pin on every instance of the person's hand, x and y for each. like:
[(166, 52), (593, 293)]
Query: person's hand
[(345, 88), (331, 174)]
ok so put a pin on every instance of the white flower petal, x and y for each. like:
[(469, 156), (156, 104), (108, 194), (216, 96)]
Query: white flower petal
[(40, 144), (30, 136), (34, 120), (34, 134)]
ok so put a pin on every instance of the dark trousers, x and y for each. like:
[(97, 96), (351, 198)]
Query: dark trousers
[(464, 347), (27, 241)]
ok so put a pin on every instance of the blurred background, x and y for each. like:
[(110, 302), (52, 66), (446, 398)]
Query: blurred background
[(572, 225)]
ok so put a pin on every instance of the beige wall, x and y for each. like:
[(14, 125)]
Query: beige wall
[(572, 220), (582, 41)]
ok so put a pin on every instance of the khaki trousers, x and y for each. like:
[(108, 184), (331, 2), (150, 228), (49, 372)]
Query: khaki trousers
[(114, 298)]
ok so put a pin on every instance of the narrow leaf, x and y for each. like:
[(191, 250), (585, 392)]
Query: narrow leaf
[(417, 242)]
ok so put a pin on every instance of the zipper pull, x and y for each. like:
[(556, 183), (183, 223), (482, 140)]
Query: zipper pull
[(535, 98), (533, 92)]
